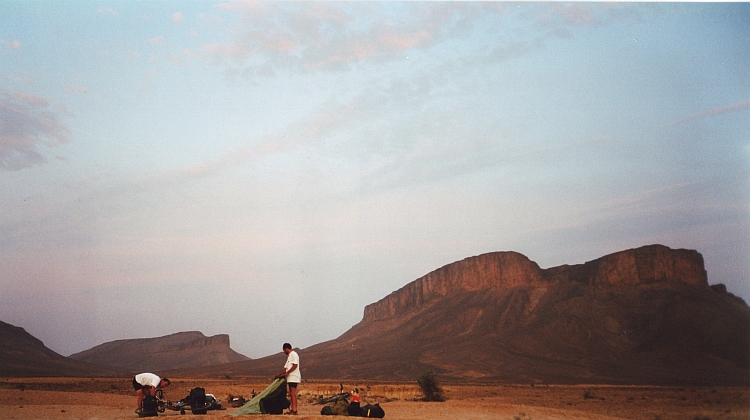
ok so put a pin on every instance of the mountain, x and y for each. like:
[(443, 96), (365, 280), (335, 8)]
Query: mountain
[(21, 354), (175, 351), (639, 316)]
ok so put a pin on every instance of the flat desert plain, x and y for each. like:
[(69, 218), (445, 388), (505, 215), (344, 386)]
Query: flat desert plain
[(100, 398)]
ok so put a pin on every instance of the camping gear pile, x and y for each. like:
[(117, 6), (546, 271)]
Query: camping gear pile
[(271, 400), (198, 402), (339, 405)]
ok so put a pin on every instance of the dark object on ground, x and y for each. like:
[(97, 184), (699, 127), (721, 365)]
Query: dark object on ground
[(149, 407), (339, 408), (374, 411), (354, 409), (237, 401), (430, 388), (198, 402), (271, 400)]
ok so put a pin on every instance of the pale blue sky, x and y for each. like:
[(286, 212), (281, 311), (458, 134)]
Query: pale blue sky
[(268, 169)]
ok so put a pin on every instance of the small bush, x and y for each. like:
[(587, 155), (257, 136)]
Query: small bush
[(430, 388)]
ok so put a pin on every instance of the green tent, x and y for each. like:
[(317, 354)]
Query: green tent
[(271, 400)]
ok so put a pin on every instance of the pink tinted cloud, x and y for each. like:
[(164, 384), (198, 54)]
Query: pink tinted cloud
[(12, 45), (177, 17), (321, 35), (576, 14), (739, 106), (27, 125), (77, 89)]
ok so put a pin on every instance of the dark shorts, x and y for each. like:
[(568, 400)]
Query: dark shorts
[(136, 385), (292, 384)]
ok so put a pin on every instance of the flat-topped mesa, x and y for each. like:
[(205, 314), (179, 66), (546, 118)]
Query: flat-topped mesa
[(495, 270), (644, 265), (501, 270)]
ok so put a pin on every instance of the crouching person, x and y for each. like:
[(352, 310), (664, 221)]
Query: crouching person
[(145, 384)]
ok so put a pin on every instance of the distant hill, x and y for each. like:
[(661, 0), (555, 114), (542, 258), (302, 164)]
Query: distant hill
[(21, 354), (176, 351), (640, 316)]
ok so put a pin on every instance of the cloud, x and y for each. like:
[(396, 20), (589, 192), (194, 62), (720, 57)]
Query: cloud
[(575, 14), (27, 125), (77, 89), (105, 11), (156, 40), (739, 106), (333, 36), (177, 17), (12, 45), (314, 36), (24, 80)]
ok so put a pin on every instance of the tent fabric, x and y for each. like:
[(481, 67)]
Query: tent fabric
[(254, 406)]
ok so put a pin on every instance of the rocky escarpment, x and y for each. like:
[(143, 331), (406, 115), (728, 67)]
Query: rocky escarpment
[(648, 264), (502, 270), (493, 271), (175, 351)]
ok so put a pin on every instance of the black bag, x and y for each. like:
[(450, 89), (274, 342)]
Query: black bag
[(373, 411), (275, 402), (354, 409), (149, 407), (197, 401)]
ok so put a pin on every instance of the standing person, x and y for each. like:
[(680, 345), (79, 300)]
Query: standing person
[(292, 374), (145, 384)]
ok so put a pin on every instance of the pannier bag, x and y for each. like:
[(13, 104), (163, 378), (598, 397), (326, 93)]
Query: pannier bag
[(197, 400), (149, 407), (374, 411)]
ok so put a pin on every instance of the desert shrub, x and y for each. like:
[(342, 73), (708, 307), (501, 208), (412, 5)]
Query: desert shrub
[(428, 383)]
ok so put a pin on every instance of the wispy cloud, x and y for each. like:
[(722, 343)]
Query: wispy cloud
[(27, 124), (12, 45), (24, 80), (77, 89), (333, 36), (739, 106), (313, 36), (177, 17), (105, 11), (156, 40)]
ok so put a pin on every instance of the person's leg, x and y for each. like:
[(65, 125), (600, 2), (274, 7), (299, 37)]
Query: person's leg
[(293, 396), (138, 393)]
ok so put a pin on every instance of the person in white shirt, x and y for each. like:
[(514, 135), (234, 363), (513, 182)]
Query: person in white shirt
[(145, 384), (292, 374)]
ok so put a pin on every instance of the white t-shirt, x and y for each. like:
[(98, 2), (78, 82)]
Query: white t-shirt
[(148, 379), (293, 376)]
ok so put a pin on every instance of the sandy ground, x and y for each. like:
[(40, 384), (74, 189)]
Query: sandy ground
[(76, 398)]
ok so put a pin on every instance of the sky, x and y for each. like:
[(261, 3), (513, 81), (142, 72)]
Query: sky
[(268, 169)]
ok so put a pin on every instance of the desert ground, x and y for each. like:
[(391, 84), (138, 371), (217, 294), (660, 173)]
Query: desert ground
[(113, 398)]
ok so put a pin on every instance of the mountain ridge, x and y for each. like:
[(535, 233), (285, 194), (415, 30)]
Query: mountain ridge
[(641, 316), (22, 354)]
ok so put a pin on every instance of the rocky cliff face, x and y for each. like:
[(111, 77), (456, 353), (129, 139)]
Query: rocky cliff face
[(493, 271), (645, 265), (502, 270)]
